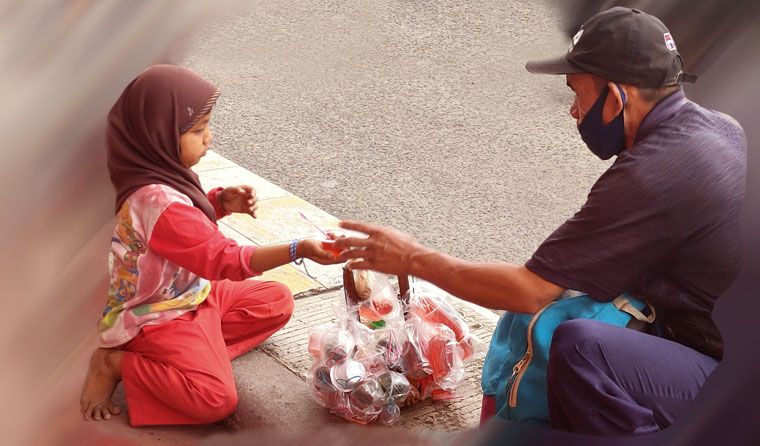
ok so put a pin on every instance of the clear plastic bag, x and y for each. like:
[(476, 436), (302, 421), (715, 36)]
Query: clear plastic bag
[(382, 354), (391, 343), (431, 306), (433, 357), (330, 344), (395, 386), (378, 306), (321, 387), (390, 414)]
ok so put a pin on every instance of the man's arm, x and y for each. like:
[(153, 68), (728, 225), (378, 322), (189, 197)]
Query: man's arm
[(498, 286)]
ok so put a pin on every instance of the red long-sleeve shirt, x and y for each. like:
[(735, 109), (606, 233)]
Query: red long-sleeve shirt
[(164, 253)]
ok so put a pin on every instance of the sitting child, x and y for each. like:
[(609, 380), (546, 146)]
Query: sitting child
[(178, 306)]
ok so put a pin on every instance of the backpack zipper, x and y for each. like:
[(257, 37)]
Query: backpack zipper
[(519, 369)]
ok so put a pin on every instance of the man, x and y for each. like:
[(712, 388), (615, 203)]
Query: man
[(661, 223)]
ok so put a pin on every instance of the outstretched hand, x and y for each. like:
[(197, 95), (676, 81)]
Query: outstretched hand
[(241, 199), (319, 251), (385, 249)]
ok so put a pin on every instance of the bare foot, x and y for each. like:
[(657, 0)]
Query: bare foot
[(102, 377)]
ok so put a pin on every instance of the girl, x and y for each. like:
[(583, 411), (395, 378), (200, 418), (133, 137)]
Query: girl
[(178, 308)]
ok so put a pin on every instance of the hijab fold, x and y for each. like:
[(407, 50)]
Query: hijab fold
[(144, 129)]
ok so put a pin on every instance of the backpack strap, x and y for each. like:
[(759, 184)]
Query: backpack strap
[(623, 304)]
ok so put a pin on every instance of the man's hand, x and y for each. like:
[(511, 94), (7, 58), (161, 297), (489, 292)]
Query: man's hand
[(241, 199), (501, 286), (386, 250)]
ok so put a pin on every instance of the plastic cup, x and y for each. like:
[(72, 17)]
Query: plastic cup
[(395, 385), (321, 385), (329, 245), (367, 400), (347, 375), (390, 414)]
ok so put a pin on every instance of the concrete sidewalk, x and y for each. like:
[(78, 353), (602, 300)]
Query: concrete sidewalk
[(271, 379)]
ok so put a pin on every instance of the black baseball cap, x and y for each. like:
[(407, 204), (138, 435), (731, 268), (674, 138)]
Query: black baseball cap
[(621, 45)]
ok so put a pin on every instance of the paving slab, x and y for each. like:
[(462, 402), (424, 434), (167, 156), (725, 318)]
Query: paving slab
[(329, 276), (294, 277), (278, 221), (212, 161), (235, 175)]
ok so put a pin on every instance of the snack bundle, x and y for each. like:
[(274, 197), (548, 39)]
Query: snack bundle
[(384, 353)]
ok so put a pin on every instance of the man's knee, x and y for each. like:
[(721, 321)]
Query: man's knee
[(574, 344), (573, 334)]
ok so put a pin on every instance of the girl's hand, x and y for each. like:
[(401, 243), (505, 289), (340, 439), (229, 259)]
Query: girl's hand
[(241, 199), (315, 250)]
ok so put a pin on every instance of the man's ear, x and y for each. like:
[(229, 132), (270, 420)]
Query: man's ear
[(614, 103)]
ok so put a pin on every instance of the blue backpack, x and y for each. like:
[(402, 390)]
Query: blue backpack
[(514, 371)]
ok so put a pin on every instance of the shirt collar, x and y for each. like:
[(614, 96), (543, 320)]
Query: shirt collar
[(663, 110)]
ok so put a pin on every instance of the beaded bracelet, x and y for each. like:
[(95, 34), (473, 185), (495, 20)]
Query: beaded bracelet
[(293, 258)]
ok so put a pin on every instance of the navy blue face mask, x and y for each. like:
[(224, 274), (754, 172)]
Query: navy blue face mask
[(603, 140)]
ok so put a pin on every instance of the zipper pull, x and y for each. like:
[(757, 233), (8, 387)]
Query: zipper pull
[(519, 365), (511, 389)]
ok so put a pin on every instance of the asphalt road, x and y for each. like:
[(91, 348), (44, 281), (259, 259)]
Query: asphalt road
[(414, 114)]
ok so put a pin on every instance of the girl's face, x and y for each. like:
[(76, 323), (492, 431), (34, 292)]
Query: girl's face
[(194, 143)]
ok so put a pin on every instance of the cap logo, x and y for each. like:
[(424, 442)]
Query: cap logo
[(669, 42), (577, 36), (189, 111)]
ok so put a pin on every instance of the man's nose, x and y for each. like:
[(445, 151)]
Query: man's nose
[(574, 110)]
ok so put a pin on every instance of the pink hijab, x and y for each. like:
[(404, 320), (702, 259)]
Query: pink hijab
[(144, 127)]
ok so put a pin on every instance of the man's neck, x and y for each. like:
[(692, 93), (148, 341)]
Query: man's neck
[(635, 113)]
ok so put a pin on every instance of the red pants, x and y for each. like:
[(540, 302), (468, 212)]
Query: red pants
[(179, 372), (487, 409)]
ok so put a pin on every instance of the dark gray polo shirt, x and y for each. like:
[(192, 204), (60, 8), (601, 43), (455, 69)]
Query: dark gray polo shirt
[(662, 222)]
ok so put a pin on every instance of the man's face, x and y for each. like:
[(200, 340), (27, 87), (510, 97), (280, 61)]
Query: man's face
[(194, 143), (586, 89)]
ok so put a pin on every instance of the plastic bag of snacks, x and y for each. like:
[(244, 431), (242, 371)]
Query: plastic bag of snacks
[(388, 349)]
